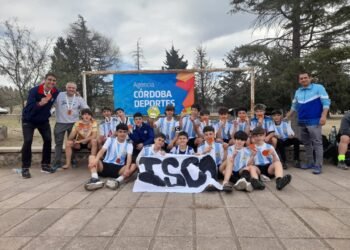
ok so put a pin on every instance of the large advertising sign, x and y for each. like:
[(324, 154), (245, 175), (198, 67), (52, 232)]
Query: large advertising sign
[(137, 92)]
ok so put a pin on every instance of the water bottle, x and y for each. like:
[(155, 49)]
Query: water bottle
[(17, 170), (333, 135)]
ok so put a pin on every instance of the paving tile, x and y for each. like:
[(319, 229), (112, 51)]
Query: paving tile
[(88, 243), (124, 199), (303, 244), (141, 222), (266, 199), (37, 223), (327, 200), (105, 222), (323, 223), (265, 243), (179, 200), (208, 200), (69, 200), (151, 200), (14, 217), (45, 243), (339, 244), (207, 222), (130, 243), (42, 200), (13, 243), (97, 199), (237, 199), (342, 214), (286, 224), (176, 222), (248, 222), (301, 184), (295, 199), (344, 195), (174, 243), (215, 243), (71, 223), (17, 200)]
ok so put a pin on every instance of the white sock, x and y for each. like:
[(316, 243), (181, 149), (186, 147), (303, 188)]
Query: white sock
[(120, 178), (94, 175)]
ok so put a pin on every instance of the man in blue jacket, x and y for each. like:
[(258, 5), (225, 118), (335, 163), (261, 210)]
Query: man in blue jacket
[(312, 103), (36, 115), (141, 135)]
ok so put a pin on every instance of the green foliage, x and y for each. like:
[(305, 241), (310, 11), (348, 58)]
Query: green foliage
[(173, 60), (9, 97)]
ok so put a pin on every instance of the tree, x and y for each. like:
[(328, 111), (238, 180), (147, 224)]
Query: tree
[(22, 58), (138, 55), (9, 97), (86, 50), (205, 82), (173, 60)]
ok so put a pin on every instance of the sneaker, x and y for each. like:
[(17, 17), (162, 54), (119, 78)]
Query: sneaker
[(241, 184), (56, 166), (306, 166), (297, 164), (342, 165), (249, 187), (264, 178), (317, 170), (112, 184), (257, 184), (227, 187), (93, 184), (47, 169), (25, 173), (281, 182)]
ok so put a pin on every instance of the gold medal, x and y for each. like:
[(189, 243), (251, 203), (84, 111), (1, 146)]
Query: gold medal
[(69, 112)]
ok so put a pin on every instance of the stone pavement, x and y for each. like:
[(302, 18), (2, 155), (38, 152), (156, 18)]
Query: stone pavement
[(53, 211)]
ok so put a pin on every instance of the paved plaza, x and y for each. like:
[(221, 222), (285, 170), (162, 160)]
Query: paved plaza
[(53, 211)]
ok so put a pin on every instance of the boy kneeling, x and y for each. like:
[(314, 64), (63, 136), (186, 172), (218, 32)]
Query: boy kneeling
[(116, 164), (266, 159)]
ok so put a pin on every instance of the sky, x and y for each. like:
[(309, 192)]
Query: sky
[(158, 24)]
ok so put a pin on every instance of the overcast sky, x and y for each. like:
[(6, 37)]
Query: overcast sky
[(158, 23)]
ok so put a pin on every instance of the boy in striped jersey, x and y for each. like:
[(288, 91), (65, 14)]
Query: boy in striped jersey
[(153, 150), (285, 137), (242, 121), (203, 121), (263, 121), (190, 123), (266, 159), (224, 126), (167, 125), (182, 148), (107, 126), (116, 163)]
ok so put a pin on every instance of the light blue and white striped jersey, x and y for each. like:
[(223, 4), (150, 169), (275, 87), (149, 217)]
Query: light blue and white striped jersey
[(241, 126), (217, 151), (260, 159), (204, 124), (107, 127), (226, 131), (176, 150), (267, 124), (148, 150), (241, 159), (117, 150), (283, 130), (127, 121), (188, 126), (167, 128)]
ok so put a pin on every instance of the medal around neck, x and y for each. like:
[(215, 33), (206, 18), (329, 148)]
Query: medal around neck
[(153, 112)]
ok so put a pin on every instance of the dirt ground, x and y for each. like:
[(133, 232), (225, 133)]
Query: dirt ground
[(14, 139)]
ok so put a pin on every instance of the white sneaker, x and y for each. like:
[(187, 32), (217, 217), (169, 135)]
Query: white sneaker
[(112, 184), (264, 178), (241, 184), (249, 187)]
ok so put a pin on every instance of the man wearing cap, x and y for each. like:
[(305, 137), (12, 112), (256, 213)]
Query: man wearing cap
[(311, 102)]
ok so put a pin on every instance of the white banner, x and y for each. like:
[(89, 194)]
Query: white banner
[(176, 173)]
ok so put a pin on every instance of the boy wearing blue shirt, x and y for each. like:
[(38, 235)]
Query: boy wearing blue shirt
[(189, 124), (224, 126), (182, 148), (107, 126), (266, 159), (116, 163), (285, 137), (263, 121)]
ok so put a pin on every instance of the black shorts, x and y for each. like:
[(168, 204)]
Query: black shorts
[(82, 146), (192, 145), (110, 170), (263, 170), (234, 177)]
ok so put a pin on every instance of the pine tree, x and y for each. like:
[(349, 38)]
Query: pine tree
[(173, 60)]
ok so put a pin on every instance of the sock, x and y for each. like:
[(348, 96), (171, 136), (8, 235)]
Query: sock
[(94, 175), (278, 178), (341, 157), (120, 178)]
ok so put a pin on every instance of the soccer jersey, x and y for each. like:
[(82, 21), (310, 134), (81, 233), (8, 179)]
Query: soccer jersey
[(226, 131), (241, 159), (117, 151), (217, 151), (108, 127), (84, 130), (203, 124), (260, 159), (167, 128), (283, 130), (128, 120), (267, 124), (188, 126), (176, 150), (240, 126)]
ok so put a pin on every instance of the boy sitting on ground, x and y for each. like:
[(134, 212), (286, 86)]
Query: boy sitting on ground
[(266, 159), (182, 148), (83, 135), (116, 163)]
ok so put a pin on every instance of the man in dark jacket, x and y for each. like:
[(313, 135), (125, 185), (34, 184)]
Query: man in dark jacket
[(36, 115)]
